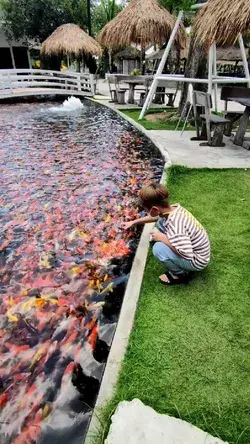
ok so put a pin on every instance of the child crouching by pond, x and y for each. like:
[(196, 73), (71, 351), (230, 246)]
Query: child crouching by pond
[(181, 243)]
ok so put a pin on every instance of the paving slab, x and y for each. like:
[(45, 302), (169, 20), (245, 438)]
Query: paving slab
[(135, 423), (184, 151)]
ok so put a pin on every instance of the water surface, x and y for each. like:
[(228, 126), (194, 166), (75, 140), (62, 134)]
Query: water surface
[(67, 180)]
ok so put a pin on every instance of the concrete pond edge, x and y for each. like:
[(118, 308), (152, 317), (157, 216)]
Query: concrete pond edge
[(129, 306)]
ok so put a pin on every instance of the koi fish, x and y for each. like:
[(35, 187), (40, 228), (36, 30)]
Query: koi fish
[(93, 337), (16, 349), (3, 399), (108, 289), (29, 434), (39, 354)]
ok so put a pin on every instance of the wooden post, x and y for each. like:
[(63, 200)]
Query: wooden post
[(217, 139), (143, 65), (92, 83), (239, 137), (10, 84), (79, 81)]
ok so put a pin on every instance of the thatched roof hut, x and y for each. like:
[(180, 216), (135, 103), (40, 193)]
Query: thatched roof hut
[(128, 60), (221, 22), (229, 54), (128, 53), (142, 22), (70, 39), (157, 55)]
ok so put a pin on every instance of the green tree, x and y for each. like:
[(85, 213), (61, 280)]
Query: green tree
[(103, 12), (89, 16), (177, 5), (37, 19)]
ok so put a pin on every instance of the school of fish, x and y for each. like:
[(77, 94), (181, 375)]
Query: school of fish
[(66, 184)]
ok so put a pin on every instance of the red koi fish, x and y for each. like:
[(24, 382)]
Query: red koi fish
[(3, 399), (16, 349), (29, 434), (93, 337)]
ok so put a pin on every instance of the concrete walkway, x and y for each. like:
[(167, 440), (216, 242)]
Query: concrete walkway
[(181, 150)]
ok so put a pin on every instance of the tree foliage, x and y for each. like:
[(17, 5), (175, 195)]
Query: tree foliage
[(177, 5), (103, 12), (39, 18)]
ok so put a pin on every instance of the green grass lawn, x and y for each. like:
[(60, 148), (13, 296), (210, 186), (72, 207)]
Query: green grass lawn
[(163, 125), (158, 125), (189, 352)]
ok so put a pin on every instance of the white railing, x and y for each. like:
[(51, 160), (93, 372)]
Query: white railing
[(16, 80)]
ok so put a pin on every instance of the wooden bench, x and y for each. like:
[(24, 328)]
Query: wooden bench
[(142, 98), (213, 122), (228, 92), (170, 90), (116, 92), (121, 96)]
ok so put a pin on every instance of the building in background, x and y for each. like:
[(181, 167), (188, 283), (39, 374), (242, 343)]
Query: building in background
[(13, 54)]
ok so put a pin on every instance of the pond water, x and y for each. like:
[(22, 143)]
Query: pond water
[(67, 180)]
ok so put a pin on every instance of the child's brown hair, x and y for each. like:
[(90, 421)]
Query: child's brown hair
[(154, 195)]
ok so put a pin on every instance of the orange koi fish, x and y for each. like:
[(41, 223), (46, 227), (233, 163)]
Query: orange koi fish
[(16, 349), (93, 337), (3, 399)]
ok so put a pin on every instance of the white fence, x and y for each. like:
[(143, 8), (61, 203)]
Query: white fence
[(23, 82)]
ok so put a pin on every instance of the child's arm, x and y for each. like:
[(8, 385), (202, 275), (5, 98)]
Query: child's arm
[(157, 236), (141, 221)]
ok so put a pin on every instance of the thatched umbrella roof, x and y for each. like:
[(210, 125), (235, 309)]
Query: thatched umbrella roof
[(142, 22), (157, 55), (70, 39), (221, 21), (229, 54), (129, 53)]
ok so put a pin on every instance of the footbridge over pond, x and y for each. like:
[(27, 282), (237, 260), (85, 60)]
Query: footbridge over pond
[(38, 82)]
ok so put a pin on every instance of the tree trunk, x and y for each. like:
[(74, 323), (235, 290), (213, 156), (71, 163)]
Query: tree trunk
[(110, 60), (143, 64), (89, 16), (196, 67)]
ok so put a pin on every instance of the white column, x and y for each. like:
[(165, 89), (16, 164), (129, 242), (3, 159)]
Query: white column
[(29, 58), (244, 58), (210, 69), (153, 87), (215, 77), (12, 57)]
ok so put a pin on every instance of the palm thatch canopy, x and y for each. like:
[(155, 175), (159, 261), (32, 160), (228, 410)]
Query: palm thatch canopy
[(70, 39), (229, 54), (157, 55), (221, 21), (128, 53), (142, 22)]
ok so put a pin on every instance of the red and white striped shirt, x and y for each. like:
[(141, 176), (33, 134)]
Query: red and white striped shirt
[(187, 236)]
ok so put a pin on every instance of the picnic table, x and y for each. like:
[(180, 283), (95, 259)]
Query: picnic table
[(134, 81), (239, 138)]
